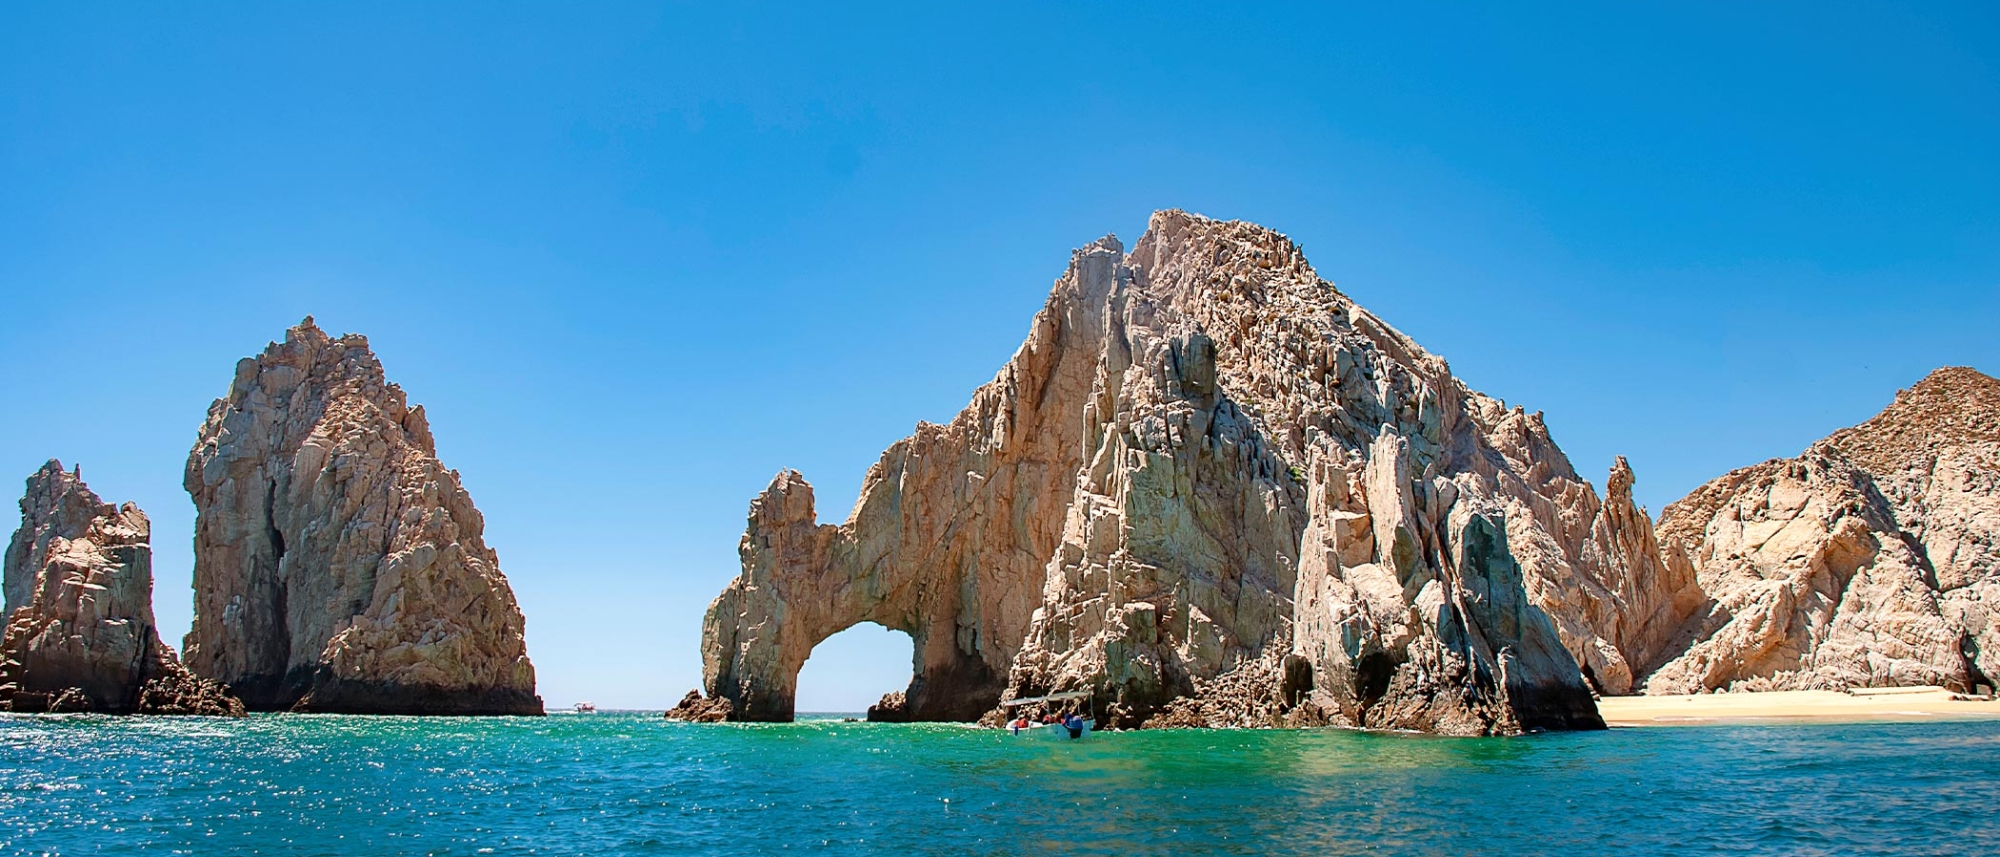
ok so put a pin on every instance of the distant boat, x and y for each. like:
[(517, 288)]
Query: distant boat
[(586, 708)]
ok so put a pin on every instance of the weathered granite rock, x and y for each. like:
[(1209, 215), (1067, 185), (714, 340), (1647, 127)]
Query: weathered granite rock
[(80, 634), (56, 506), (1873, 559), (338, 565), (695, 709), (178, 691), (947, 543), (1635, 603), (893, 707), (1270, 692), (1210, 488)]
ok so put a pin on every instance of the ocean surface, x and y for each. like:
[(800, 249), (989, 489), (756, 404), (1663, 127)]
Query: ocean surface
[(631, 783)]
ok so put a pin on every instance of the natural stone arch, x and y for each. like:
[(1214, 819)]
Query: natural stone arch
[(1206, 489), (804, 582), (949, 542), (860, 659)]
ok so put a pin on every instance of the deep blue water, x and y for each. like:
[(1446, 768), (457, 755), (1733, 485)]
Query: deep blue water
[(626, 784)]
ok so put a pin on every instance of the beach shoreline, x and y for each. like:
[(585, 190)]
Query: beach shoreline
[(1857, 705)]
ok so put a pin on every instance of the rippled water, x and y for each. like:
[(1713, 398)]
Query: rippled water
[(615, 784)]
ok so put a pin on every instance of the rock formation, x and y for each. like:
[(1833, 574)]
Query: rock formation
[(1629, 608), (1873, 559), (695, 709), (1210, 489), (338, 565), (80, 634)]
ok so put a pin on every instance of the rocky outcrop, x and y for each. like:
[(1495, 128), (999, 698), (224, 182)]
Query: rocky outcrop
[(1210, 489), (1632, 608), (893, 707), (947, 544), (56, 506), (1873, 559), (338, 565), (80, 634), (694, 708)]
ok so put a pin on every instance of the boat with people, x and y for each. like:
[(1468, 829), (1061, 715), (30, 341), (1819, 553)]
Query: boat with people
[(586, 708), (1071, 726)]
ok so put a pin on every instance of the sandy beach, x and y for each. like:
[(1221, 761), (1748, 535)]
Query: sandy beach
[(1902, 703)]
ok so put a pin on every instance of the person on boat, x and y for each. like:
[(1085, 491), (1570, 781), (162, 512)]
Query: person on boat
[(1075, 724)]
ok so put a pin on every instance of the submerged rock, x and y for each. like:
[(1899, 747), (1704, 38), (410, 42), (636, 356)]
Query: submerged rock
[(1210, 489), (1873, 559), (338, 565), (80, 634)]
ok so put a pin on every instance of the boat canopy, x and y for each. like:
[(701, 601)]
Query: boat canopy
[(1053, 697)]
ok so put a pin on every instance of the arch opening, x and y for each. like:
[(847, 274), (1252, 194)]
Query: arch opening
[(854, 671)]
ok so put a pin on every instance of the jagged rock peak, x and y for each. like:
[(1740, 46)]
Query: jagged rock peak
[(56, 505), (80, 634), (339, 566), (1956, 407), (1871, 559), (1208, 488)]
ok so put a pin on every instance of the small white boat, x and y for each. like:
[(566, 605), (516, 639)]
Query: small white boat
[(1059, 732), (586, 708), (1052, 731)]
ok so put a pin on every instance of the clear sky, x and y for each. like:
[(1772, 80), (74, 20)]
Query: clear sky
[(636, 259)]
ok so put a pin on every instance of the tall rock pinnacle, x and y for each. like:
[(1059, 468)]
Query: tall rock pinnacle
[(338, 565), (80, 634)]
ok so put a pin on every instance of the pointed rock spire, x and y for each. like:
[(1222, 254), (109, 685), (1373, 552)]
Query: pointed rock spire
[(339, 566)]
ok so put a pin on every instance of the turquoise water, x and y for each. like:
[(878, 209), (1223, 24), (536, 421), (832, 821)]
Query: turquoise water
[(618, 784)]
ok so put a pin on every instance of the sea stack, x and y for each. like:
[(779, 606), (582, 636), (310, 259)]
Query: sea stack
[(339, 567), (1872, 559), (80, 634), (1209, 489)]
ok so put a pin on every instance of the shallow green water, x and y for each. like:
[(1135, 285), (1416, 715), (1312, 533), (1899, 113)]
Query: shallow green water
[(616, 784)]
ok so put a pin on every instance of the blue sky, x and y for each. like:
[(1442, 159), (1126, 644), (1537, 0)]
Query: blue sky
[(634, 260)]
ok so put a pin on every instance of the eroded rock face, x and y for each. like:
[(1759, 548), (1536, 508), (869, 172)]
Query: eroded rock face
[(948, 542), (893, 707), (1634, 605), (56, 506), (80, 634), (1873, 559), (1210, 488), (338, 565), (695, 709)]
